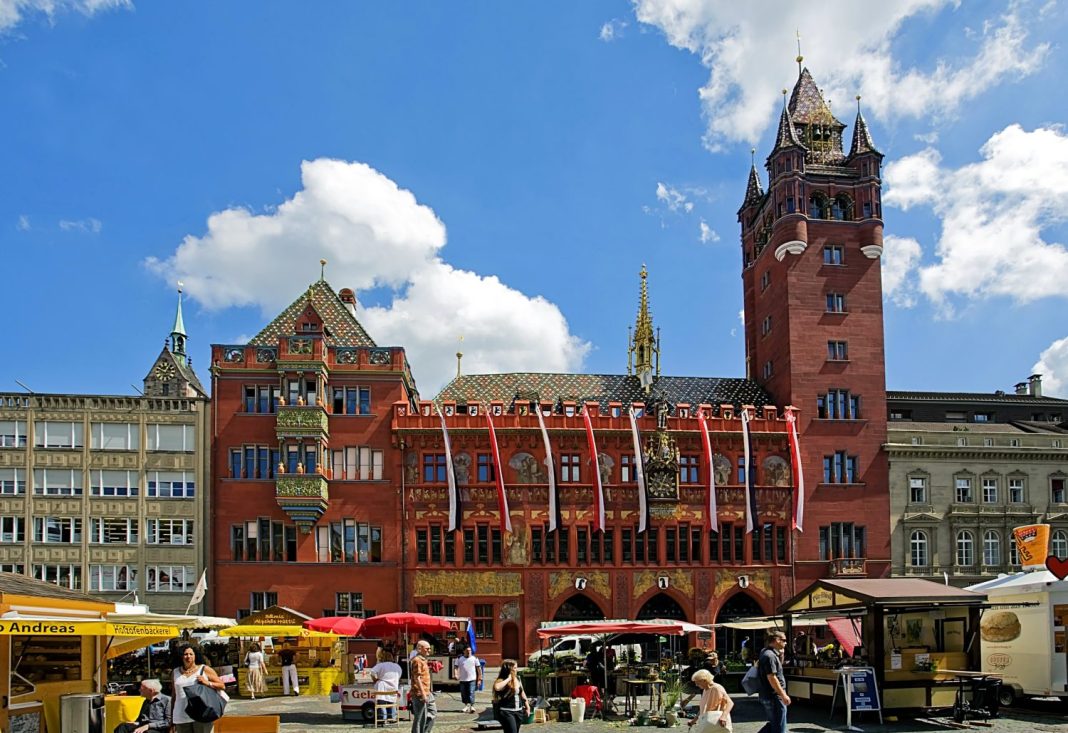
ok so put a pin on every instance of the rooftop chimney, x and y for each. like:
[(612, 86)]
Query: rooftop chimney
[(1021, 388), (1035, 381), (346, 296)]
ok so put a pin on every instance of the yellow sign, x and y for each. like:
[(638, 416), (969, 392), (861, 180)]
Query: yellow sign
[(61, 627), (257, 630)]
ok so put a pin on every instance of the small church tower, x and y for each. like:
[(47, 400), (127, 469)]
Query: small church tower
[(172, 375)]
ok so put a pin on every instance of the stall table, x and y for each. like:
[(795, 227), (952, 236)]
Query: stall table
[(656, 693)]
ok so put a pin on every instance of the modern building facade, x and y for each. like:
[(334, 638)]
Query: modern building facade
[(107, 493), (967, 468), (811, 273), (306, 505)]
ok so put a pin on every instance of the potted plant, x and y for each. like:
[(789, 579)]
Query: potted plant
[(672, 695)]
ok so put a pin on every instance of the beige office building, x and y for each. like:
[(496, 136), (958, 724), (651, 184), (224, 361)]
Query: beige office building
[(967, 468), (108, 494)]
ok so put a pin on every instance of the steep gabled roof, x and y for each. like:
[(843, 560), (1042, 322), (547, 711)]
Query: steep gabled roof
[(340, 327), (862, 142), (786, 136), (601, 388), (185, 368), (807, 105), (754, 192)]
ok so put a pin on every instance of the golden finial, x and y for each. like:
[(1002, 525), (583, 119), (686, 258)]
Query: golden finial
[(752, 157), (644, 273), (322, 269), (858, 104), (800, 58), (459, 355)]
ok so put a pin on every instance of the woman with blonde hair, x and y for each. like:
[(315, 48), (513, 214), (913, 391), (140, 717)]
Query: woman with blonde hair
[(713, 698), (256, 664)]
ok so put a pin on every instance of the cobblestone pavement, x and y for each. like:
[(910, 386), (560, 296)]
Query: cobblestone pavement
[(317, 713)]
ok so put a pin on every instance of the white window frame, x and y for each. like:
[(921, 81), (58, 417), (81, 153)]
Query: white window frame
[(112, 578), (99, 530), (42, 571), (989, 490), (58, 434), (962, 490), (156, 432), (44, 527), (154, 573), (965, 546), (1017, 485), (919, 549), (1058, 543), (991, 548), (98, 441), (175, 528), (12, 529), (13, 434), (154, 489), (99, 487), (42, 478), (917, 482), (12, 481)]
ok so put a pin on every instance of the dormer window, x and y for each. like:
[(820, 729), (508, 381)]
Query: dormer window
[(309, 327)]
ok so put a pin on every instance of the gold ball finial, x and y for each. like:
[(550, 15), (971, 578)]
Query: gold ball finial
[(322, 262), (784, 92), (800, 58), (644, 272)]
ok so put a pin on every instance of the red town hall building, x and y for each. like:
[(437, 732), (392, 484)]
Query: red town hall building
[(331, 492)]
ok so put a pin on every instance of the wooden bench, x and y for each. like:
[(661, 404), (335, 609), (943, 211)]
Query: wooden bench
[(248, 724)]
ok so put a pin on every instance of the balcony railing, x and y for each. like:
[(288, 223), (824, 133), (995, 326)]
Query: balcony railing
[(849, 567), (303, 497), (302, 421)]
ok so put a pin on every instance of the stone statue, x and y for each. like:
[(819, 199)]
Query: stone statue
[(605, 464), (461, 464), (723, 469), (777, 472), (411, 468), (527, 468)]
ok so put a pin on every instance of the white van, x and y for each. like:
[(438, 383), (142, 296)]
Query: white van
[(574, 647)]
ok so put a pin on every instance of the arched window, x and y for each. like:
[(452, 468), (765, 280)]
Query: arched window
[(818, 207), (1059, 544), (991, 548), (965, 548), (918, 545), (842, 208)]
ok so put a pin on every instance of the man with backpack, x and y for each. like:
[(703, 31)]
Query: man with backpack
[(772, 683)]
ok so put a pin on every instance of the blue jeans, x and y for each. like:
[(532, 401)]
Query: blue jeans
[(467, 692), (776, 712)]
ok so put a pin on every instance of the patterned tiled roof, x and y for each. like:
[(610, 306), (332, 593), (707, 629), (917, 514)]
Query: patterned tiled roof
[(807, 105), (341, 327), (786, 137), (601, 388), (862, 142), (754, 192)]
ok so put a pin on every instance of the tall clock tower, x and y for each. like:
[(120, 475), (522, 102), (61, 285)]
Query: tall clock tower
[(811, 253), (172, 374)]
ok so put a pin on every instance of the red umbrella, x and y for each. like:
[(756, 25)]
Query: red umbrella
[(385, 624), (340, 625)]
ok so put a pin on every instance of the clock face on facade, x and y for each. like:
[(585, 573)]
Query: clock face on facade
[(164, 370)]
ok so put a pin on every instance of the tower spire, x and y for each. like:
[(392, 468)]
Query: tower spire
[(643, 357), (178, 334), (754, 191), (862, 142), (800, 58)]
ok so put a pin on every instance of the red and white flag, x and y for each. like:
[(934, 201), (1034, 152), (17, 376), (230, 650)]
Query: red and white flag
[(751, 519), (639, 472), (799, 474), (598, 490), (711, 509), (498, 474), (554, 510), (455, 511)]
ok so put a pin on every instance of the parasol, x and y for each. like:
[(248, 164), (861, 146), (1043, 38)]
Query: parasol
[(340, 625), (385, 624)]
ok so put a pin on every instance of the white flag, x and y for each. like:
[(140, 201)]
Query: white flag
[(554, 512), (199, 591), (639, 472)]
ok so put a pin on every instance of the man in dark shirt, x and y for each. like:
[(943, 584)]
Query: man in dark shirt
[(155, 711), (773, 683)]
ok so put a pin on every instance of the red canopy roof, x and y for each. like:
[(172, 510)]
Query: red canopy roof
[(341, 625), (595, 628), (403, 621)]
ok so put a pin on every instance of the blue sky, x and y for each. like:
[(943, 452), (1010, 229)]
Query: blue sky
[(501, 171)]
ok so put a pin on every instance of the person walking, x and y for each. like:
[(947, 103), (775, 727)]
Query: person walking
[(423, 708), (773, 683), (714, 697), (469, 673), (155, 711), (256, 666), (185, 675), (289, 670), (386, 674), (509, 699)]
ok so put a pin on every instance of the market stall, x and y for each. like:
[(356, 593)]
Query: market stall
[(55, 642), (319, 656), (908, 630)]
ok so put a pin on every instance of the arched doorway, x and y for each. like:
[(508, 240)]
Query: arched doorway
[(661, 606), (509, 641), (579, 607), (729, 642)]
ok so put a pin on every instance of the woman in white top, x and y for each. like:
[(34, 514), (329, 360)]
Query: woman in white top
[(189, 673), (256, 681), (386, 674)]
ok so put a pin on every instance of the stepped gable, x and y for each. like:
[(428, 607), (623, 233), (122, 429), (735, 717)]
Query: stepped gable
[(340, 327), (601, 388)]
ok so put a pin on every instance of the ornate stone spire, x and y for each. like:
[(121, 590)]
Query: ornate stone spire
[(178, 334), (862, 142), (643, 357), (786, 137)]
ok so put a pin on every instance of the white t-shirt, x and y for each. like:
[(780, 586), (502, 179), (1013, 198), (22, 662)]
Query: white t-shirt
[(181, 682), (387, 678), (254, 660), (466, 668)]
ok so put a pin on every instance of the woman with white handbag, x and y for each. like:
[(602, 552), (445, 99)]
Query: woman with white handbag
[(716, 705)]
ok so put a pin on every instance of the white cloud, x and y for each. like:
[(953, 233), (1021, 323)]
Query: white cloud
[(85, 226), (1053, 366), (373, 234), (741, 42), (23, 224), (901, 255), (674, 198), (612, 30), (13, 12), (927, 138), (993, 214), (708, 234)]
